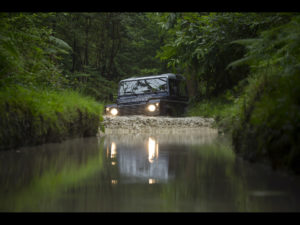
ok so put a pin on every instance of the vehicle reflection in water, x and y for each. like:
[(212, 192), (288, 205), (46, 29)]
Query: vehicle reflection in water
[(188, 171), (140, 163)]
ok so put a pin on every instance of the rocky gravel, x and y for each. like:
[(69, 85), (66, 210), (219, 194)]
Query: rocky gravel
[(133, 124), (157, 122)]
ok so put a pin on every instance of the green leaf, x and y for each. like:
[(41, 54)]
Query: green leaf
[(239, 62), (247, 41), (60, 43)]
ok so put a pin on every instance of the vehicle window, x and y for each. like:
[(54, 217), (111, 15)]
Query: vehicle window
[(153, 85), (126, 87)]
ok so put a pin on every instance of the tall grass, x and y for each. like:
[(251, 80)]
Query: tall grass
[(224, 111), (34, 116)]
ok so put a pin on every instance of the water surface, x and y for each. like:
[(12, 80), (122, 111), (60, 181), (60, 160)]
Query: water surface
[(192, 170)]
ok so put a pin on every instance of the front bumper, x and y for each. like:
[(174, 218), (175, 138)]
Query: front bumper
[(136, 109)]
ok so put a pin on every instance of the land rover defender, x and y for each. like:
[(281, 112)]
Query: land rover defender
[(164, 94)]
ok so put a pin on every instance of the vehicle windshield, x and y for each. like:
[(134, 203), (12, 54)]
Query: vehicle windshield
[(143, 86)]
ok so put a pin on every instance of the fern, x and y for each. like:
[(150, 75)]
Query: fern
[(247, 41), (61, 46), (239, 62)]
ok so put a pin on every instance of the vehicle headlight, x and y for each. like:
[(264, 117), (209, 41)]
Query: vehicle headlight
[(151, 108), (113, 111)]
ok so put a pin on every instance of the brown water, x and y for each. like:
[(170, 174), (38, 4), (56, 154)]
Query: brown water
[(188, 171)]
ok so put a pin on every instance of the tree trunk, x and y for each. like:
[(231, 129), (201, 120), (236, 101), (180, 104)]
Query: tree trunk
[(191, 81), (74, 55), (115, 46), (87, 27)]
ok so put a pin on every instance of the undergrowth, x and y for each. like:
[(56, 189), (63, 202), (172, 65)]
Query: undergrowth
[(224, 111), (269, 123), (33, 116)]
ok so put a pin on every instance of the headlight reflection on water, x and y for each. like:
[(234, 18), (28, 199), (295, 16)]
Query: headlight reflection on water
[(113, 150), (152, 150), (152, 181)]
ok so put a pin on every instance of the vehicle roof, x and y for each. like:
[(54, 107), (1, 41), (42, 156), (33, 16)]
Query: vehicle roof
[(166, 75)]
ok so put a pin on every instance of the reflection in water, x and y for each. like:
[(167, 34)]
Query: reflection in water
[(172, 172), (113, 150), (132, 161), (113, 181), (152, 150), (152, 181), (34, 177)]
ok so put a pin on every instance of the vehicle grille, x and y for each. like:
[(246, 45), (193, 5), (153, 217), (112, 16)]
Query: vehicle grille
[(132, 109)]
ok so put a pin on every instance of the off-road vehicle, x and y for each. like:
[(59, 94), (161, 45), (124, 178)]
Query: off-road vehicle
[(164, 94)]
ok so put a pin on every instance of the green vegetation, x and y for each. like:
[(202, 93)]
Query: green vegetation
[(37, 102), (106, 47), (270, 116), (243, 70), (224, 112), (30, 116), (269, 122), (58, 69)]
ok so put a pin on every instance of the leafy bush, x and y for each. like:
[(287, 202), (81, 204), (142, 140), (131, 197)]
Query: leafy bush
[(269, 123), (35, 106), (224, 111), (29, 51)]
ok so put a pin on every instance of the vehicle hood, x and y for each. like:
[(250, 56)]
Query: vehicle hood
[(132, 99)]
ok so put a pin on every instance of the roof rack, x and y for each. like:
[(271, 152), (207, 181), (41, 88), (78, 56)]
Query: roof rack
[(166, 75)]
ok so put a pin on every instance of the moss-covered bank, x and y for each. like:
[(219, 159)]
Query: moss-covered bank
[(264, 121), (269, 125), (33, 116)]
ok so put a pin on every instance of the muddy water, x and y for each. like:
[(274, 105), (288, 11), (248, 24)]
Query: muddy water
[(191, 170)]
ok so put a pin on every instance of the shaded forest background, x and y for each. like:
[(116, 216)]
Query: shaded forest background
[(92, 52), (88, 52)]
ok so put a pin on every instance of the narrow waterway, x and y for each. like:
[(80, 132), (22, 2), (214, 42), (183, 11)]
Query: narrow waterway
[(193, 170)]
